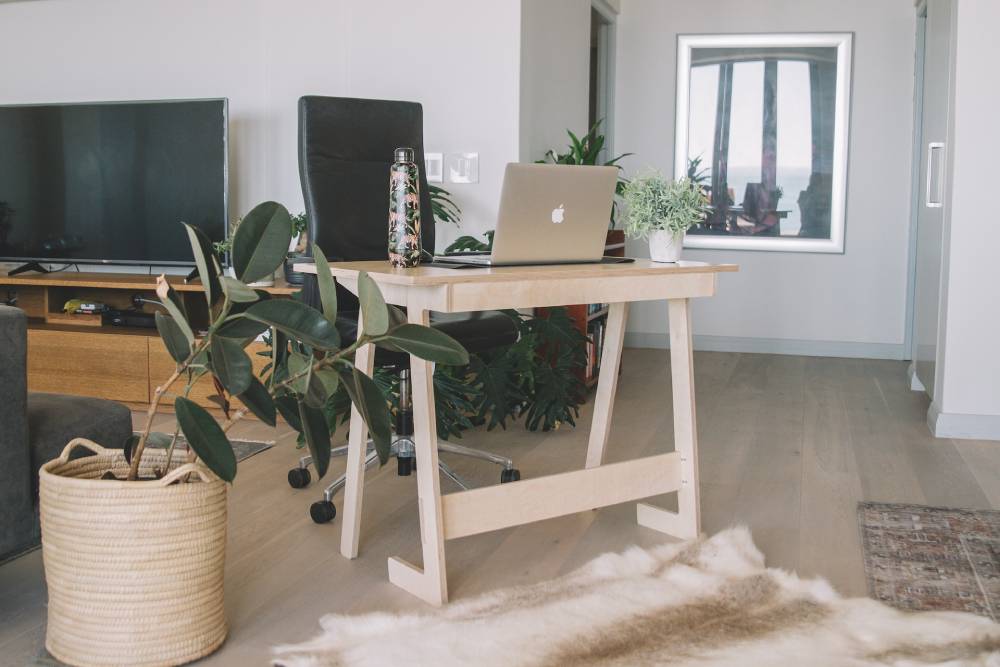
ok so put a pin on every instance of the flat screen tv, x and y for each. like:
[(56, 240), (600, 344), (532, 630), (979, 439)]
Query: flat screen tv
[(110, 183)]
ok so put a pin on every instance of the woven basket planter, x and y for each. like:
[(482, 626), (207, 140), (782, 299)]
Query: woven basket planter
[(134, 569)]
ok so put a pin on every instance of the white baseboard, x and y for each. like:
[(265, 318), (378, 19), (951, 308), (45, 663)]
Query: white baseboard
[(915, 383), (963, 427), (807, 348)]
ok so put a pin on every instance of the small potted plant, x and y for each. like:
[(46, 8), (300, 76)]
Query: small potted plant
[(662, 211)]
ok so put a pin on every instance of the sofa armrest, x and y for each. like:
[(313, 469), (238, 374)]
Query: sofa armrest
[(16, 497)]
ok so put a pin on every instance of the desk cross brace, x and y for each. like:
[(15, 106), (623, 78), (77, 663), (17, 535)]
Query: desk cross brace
[(597, 485)]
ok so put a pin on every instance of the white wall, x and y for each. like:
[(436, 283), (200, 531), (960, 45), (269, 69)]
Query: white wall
[(555, 74), (851, 304), (459, 59), (968, 403)]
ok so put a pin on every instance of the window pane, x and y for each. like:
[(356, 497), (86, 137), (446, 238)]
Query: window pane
[(794, 140)]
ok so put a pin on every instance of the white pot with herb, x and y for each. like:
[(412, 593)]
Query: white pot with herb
[(662, 211)]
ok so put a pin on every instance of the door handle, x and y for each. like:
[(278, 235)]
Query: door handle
[(934, 195)]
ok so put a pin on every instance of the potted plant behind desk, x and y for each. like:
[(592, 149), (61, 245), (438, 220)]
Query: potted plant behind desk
[(662, 211), (134, 539)]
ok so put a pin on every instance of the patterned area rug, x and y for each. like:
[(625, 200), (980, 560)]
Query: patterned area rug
[(706, 603), (932, 558), (243, 449)]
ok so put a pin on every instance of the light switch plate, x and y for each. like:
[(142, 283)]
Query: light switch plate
[(462, 167), (434, 167)]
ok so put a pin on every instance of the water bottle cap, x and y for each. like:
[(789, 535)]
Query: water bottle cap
[(404, 155)]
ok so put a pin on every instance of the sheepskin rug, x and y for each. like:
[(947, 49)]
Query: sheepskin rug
[(707, 603)]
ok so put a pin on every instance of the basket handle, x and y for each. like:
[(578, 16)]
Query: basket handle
[(88, 444), (185, 469)]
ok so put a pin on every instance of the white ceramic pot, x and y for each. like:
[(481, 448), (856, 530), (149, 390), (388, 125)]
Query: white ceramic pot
[(665, 246)]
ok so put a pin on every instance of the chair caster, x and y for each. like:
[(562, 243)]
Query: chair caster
[(405, 465), (322, 511), (511, 475), (299, 478)]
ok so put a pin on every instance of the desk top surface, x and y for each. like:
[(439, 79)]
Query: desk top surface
[(382, 272)]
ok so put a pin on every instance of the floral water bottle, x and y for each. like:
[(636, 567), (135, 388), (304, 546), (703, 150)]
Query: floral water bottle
[(404, 210)]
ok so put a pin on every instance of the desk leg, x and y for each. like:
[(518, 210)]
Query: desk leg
[(686, 522), (607, 383), (357, 446), (431, 583)]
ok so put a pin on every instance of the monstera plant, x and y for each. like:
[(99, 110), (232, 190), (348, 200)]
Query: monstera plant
[(308, 364)]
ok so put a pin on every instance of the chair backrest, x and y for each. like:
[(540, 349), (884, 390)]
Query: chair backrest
[(346, 147)]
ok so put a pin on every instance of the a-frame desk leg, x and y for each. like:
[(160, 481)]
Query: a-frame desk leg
[(429, 584), (607, 383), (686, 522), (357, 449)]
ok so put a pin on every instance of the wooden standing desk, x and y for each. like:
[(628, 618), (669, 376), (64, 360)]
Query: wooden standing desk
[(427, 288)]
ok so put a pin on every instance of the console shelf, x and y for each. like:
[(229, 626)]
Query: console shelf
[(85, 357)]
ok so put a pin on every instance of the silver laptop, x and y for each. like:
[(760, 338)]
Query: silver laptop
[(549, 214)]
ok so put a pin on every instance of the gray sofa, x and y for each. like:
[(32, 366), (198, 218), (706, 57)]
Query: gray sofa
[(34, 428)]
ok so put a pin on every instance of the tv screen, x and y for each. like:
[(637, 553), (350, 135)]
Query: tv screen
[(111, 182)]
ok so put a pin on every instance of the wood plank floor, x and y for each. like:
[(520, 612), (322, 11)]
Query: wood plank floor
[(789, 445)]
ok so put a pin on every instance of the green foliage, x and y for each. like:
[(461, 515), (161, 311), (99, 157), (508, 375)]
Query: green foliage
[(207, 262), (173, 337), (472, 244), (206, 438), (375, 315), (653, 203), (444, 209), (297, 320), (327, 287), (455, 399), (427, 343), (534, 377), (587, 151), (308, 369), (317, 435), (261, 241), (259, 402), (695, 173)]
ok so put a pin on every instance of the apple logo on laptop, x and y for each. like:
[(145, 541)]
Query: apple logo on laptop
[(557, 214)]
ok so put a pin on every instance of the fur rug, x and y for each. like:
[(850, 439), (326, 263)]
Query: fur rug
[(707, 603)]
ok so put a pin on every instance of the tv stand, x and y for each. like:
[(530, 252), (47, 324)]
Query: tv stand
[(29, 266), (80, 354)]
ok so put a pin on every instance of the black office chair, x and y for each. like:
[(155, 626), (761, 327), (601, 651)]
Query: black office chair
[(346, 147)]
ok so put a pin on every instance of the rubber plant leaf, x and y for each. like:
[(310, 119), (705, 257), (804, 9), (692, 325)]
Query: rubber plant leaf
[(261, 241), (207, 263), (298, 320), (259, 402), (173, 338), (317, 433), (373, 308), (206, 438), (427, 343), (327, 286), (230, 364)]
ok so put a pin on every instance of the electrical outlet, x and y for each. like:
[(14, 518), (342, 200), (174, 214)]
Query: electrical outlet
[(463, 167), (434, 167)]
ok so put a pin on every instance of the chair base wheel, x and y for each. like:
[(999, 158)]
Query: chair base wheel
[(322, 511), (299, 478), (511, 475), (404, 465)]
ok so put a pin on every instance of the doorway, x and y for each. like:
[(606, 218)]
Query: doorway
[(602, 69)]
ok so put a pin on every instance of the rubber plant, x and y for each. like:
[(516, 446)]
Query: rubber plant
[(308, 366)]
